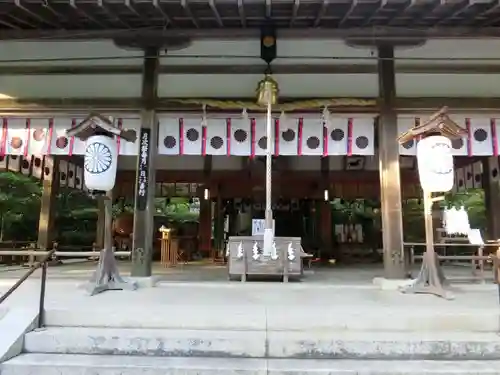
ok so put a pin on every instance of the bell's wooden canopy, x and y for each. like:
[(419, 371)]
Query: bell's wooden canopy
[(438, 123), (96, 123)]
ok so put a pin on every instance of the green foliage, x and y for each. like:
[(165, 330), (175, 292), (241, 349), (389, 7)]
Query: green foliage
[(364, 212), (19, 204), (76, 217), (17, 194), (176, 209), (20, 196), (76, 213)]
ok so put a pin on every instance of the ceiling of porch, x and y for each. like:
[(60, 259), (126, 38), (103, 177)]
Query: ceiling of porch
[(454, 17)]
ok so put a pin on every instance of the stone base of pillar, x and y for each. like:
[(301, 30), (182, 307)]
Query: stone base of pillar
[(145, 282), (107, 276), (391, 284)]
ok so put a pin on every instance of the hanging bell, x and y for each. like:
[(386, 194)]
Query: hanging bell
[(267, 91)]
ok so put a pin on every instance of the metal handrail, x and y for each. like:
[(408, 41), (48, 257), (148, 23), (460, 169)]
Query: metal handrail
[(43, 264)]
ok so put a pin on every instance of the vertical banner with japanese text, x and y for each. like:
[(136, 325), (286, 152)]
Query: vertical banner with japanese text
[(142, 175)]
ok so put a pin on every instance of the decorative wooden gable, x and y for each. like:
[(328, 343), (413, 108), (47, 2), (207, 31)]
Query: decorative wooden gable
[(96, 123), (438, 123)]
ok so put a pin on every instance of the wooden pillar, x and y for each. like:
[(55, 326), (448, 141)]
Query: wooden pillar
[(326, 230), (219, 223), (491, 186), (99, 233), (326, 210), (144, 206), (46, 230), (205, 227), (390, 181)]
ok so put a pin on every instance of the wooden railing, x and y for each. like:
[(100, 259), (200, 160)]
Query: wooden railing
[(62, 254), (20, 245), (27, 251), (480, 257)]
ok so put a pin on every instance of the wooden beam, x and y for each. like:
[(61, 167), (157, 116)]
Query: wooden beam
[(392, 34), (51, 105), (133, 105), (363, 67)]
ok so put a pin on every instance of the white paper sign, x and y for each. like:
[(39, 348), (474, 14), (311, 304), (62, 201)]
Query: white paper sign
[(475, 237), (258, 226)]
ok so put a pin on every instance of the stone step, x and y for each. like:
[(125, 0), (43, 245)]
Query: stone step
[(151, 342), (61, 364), (264, 344), (286, 318)]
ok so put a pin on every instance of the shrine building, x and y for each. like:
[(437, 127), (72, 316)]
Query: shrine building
[(352, 76)]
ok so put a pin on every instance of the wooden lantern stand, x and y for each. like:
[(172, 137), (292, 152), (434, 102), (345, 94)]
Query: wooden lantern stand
[(431, 279), (107, 275)]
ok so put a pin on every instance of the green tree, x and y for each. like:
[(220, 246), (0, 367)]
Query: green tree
[(20, 198), (76, 217), (176, 209), (19, 202)]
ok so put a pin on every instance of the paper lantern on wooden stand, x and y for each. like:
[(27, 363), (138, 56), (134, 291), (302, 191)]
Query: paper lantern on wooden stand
[(100, 165), (435, 164), (101, 162), (101, 150), (434, 151), (436, 172)]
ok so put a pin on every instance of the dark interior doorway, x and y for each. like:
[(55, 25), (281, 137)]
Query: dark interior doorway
[(287, 223)]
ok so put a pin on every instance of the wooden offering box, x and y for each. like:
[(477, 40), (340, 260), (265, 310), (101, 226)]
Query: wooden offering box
[(243, 260)]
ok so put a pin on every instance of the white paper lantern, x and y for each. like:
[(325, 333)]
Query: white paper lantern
[(100, 163), (435, 164)]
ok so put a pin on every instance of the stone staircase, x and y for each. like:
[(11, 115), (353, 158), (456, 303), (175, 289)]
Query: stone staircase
[(131, 351), (254, 329)]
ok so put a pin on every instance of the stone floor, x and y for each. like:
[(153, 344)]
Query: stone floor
[(207, 271), (208, 285), (329, 304)]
